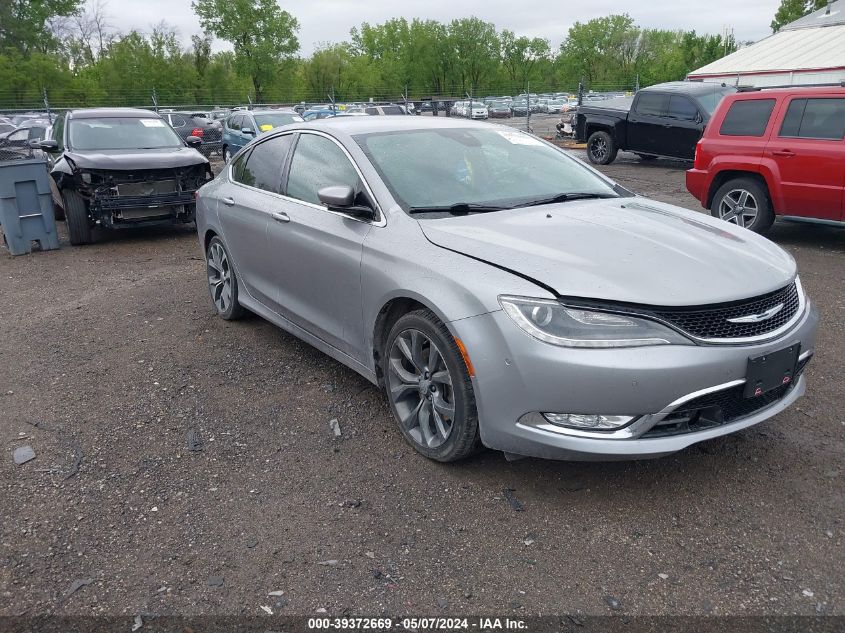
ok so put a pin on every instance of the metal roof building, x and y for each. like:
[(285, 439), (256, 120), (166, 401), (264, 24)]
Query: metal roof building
[(809, 51)]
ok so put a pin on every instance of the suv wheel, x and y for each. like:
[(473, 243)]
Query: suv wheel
[(744, 202), (429, 388), (601, 150), (76, 215)]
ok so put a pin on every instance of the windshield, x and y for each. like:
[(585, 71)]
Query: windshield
[(468, 166), (270, 120), (710, 100), (122, 133)]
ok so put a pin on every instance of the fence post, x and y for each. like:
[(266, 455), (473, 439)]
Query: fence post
[(155, 100), (637, 85), (528, 107), (47, 106), (580, 93)]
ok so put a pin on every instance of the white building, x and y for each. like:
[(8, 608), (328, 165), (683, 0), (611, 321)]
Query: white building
[(807, 52)]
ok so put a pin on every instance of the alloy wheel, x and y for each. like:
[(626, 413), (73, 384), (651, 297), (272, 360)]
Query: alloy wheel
[(599, 149), (739, 207), (420, 385), (219, 277)]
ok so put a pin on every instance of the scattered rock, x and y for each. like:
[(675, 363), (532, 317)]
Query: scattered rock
[(267, 610), (328, 563), (807, 593), (194, 441), (321, 610), (441, 602), (529, 540), (353, 503), (334, 425), (23, 454), (663, 576), (252, 543), (828, 533), (512, 500), (276, 593), (139, 622), (77, 462), (613, 603), (370, 554), (282, 602), (215, 581)]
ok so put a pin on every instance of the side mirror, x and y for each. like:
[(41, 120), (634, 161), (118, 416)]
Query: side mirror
[(48, 145), (247, 130), (193, 141), (342, 198)]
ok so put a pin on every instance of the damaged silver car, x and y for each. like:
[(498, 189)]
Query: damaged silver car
[(122, 168)]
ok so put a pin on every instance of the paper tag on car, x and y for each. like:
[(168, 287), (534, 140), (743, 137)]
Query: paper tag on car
[(265, 128), (152, 122), (517, 138)]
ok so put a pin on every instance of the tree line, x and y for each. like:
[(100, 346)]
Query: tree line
[(72, 51)]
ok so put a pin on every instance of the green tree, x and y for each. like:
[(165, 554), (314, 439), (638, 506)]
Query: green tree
[(25, 24), (791, 10), (520, 56), (602, 51), (476, 49), (262, 34)]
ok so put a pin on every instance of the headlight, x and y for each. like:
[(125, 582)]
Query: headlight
[(554, 323)]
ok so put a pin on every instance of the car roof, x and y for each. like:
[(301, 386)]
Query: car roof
[(104, 113), (353, 125)]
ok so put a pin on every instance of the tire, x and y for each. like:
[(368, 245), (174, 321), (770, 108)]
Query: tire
[(227, 156), (601, 149), (222, 281), (76, 215), (753, 200), (446, 386), (647, 157)]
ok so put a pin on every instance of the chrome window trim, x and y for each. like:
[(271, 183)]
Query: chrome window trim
[(380, 222)]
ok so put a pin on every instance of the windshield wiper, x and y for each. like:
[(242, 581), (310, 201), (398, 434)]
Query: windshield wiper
[(459, 208), (566, 197)]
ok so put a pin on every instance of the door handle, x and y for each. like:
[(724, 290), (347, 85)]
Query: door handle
[(783, 153), (281, 217), (228, 201)]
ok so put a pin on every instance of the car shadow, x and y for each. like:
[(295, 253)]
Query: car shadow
[(809, 234)]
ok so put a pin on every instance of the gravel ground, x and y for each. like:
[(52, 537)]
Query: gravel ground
[(114, 367)]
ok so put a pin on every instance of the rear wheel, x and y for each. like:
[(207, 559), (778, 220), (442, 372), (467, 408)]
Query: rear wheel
[(744, 202), (222, 281), (429, 388), (601, 150), (76, 215)]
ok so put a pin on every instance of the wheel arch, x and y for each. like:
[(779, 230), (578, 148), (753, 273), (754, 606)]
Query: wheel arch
[(731, 174)]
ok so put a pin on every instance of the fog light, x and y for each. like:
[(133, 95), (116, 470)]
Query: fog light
[(592, 422)]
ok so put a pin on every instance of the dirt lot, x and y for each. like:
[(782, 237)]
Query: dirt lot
[(112, 356)]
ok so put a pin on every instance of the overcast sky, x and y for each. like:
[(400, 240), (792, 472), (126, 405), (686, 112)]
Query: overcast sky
[(330, 20)]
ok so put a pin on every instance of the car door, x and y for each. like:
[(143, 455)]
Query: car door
[(809, 152), (246, 210), (234, 133), (685, 125), (646, 122), (317, 253), (248, 129)]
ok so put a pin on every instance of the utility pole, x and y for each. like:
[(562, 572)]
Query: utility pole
[(637, 85), (249, 101), (405, 98), (155, 99), (331, 100)]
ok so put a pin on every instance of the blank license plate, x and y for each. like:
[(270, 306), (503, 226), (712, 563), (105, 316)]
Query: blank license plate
[(770, 371)]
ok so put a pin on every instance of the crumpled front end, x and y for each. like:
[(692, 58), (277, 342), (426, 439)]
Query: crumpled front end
[(118, 199)]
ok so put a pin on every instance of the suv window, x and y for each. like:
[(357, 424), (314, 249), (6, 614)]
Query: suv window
[(234, 122), (747, 118), (318, 162), (815, 118), (263, 168), (371, 111), (682, 108), (652, 104)]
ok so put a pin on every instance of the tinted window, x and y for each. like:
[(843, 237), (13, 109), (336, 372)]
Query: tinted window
[(263, 168), (177, 120), (815, 118), (652, 104), (36, 133), (371, 111), (392, 110), (238, 167), (247, 123), (234, 122), (747, 118), (318, 162), (682, 108)]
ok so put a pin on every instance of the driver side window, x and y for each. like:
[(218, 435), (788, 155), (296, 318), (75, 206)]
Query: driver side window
[(318, 162)]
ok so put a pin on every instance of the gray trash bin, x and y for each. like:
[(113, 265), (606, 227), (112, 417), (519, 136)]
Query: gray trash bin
[(26, 206)]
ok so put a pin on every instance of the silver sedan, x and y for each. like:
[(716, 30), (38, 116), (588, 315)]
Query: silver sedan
[(504, 294)]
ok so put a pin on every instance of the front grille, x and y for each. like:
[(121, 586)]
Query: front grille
[(718, 408), (712, 323)]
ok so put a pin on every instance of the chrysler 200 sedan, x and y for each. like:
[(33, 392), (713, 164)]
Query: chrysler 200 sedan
[(503, 293)]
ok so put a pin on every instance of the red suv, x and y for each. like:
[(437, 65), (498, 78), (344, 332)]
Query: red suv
[(773, 152)]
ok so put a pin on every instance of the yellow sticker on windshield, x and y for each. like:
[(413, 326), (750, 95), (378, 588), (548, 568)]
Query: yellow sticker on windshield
[(265, 128)]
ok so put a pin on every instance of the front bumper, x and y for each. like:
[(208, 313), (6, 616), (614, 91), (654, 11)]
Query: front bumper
[(518, 378)]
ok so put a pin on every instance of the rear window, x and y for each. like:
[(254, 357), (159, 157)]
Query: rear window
[(815, 118), (747, 118)]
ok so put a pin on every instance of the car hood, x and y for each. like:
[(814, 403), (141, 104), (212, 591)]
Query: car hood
[(627, 250), (122, 159)]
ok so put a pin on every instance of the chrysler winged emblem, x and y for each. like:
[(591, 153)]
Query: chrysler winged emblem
[(757, 318)]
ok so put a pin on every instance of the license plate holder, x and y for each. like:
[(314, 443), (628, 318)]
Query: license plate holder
[(770, 371)]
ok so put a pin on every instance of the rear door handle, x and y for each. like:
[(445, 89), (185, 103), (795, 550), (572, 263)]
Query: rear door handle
[(229, 201), (784, 153), (281, 217)]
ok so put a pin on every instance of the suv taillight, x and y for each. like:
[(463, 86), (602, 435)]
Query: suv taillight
[(197, 131), (695, 163)]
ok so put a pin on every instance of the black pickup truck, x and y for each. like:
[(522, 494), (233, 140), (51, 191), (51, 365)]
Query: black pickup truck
[(665, 120)]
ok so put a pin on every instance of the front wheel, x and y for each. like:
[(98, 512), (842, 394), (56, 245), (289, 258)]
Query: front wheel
[(429, 388), (76, 215), (601, 150), (744, 202)]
